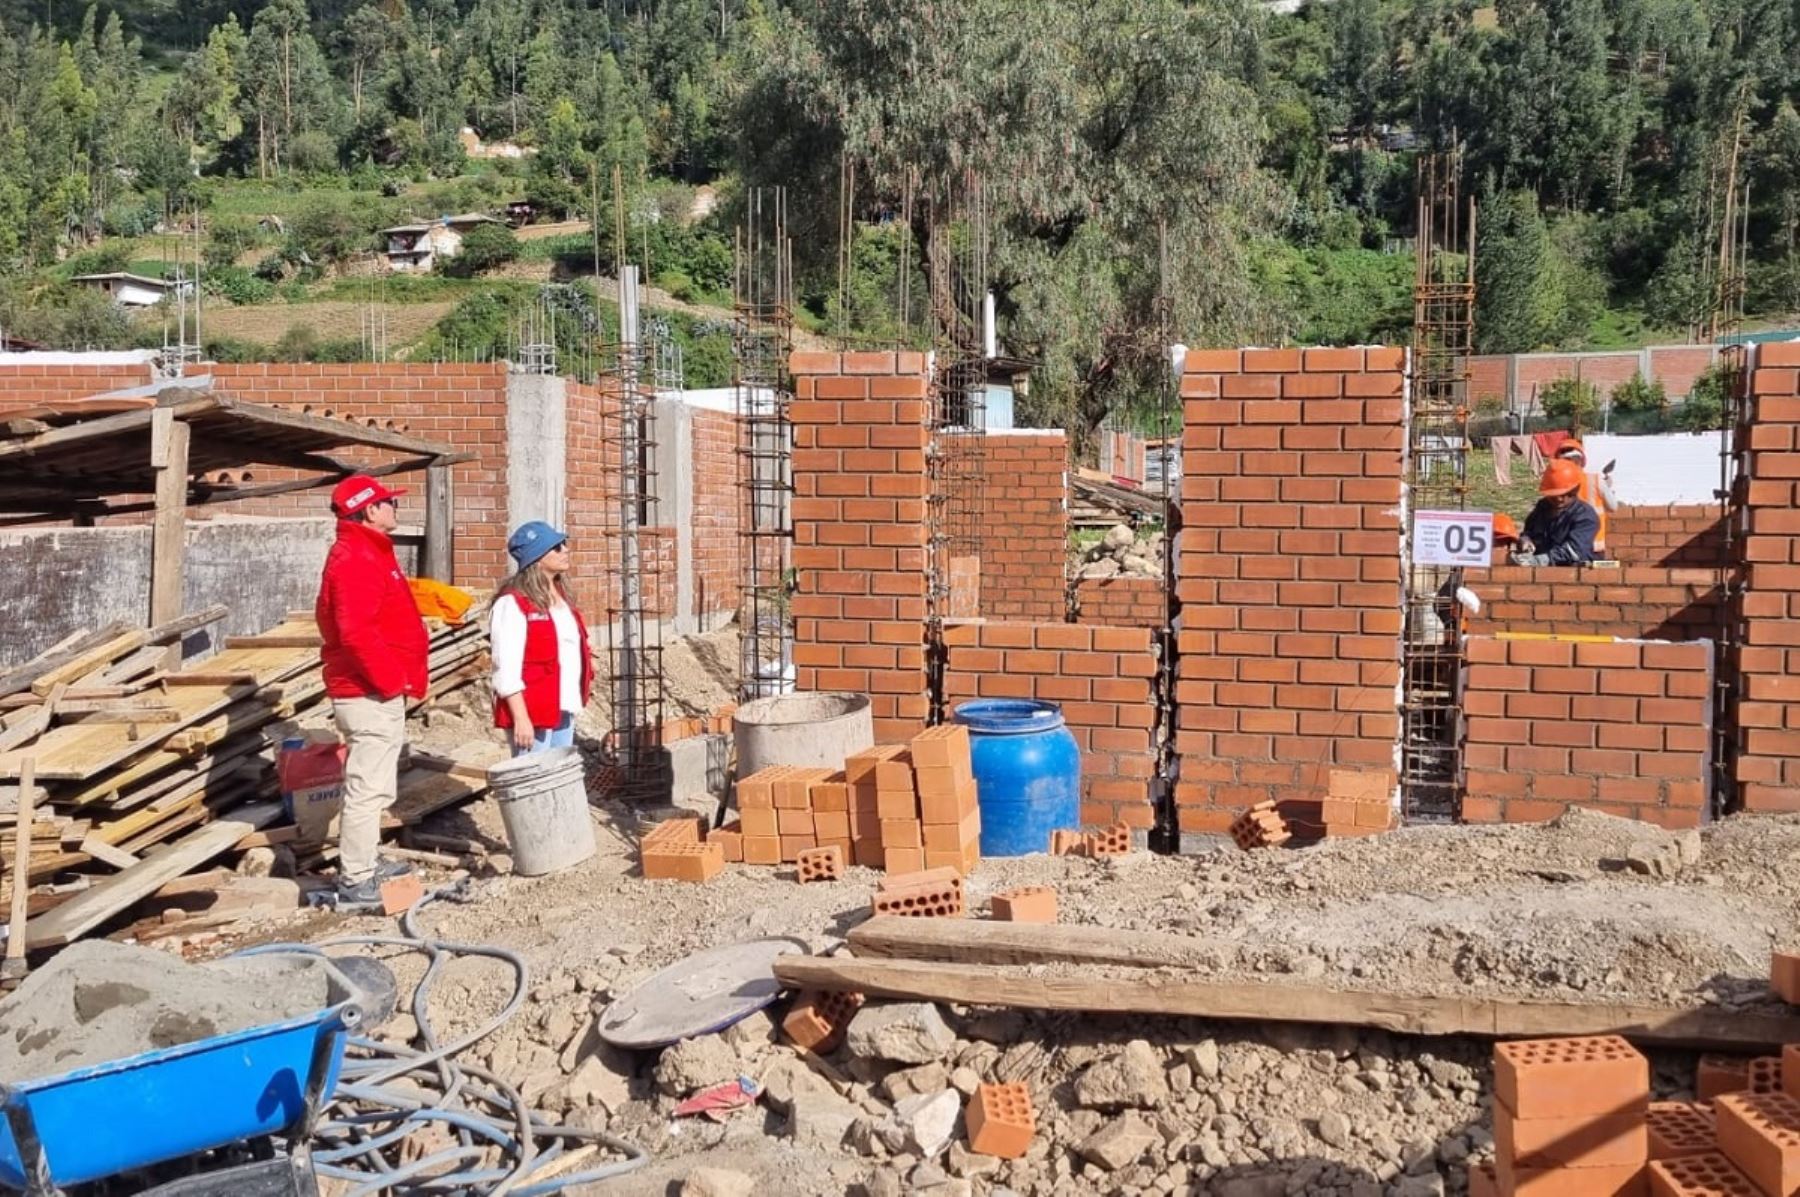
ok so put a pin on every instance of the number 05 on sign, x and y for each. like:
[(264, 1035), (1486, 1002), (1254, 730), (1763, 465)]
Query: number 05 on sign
[(1453, 538)]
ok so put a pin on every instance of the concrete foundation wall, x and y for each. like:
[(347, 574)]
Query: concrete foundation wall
[(62, 580)]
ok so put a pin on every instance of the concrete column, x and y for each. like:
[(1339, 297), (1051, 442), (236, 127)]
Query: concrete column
[(675, 501), (537, 475)]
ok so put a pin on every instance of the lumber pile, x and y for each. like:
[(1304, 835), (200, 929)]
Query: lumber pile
[(146, 771)]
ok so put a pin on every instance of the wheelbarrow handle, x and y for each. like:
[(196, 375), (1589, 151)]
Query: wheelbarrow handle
[(326, 1047)]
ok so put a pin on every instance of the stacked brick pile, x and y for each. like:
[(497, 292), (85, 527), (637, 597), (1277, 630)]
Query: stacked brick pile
[(677, 851), (1022, 564), (1120, 602), (1640, 602), (1677, 535), (1101, 677), (1289, 574), (899, 807), (1358, 803), (1767, 611), (1619, 727), (860, 531), (1569, 1116)]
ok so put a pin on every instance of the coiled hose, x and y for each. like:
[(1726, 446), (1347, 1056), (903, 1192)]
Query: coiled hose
[(360, 1134)]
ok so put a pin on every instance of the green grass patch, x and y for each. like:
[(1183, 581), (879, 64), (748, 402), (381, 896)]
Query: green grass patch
[(1485, 494)]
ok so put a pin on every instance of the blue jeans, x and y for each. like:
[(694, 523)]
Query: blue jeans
[(560, 736)]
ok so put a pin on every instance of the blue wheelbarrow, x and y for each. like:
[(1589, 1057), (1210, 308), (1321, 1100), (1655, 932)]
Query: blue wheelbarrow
[(121, 1119)]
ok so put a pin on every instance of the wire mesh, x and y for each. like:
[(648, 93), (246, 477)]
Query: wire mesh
[(1436, 478), (761, 337)]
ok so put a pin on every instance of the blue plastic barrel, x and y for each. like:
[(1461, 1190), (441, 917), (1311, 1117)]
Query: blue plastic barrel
[(1027, 771)]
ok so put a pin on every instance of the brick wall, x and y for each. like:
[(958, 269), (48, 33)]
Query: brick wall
[(1623, 728), (1667, 535), (1024, 552), (1766, 506), (1289, 574), (1487, 378), (463, 406), (1679, 365), (715, 513), (1101, 677), (1119, 602), (1676, 365), (23, 386), (587, 411), (1635, 602), (859, 531), (1605, 371)]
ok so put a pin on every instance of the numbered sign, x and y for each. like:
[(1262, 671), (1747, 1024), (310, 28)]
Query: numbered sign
[(1453, 537)]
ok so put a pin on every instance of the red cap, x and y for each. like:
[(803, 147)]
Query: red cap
[(357, 492)]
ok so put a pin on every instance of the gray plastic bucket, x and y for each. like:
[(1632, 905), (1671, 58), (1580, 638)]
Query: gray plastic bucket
[(543, 802)]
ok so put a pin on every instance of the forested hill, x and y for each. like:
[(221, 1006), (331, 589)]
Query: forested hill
[(1275, 153)]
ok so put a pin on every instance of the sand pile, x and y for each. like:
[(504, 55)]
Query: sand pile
[(99, 1001)]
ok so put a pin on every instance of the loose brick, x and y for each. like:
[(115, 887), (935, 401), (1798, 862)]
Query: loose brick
[(1715, 1076), (1709, 1175), (683, 861), (1615, 1180), (1784, 977), (1680, 1128), (1578, 1141), (1001, 1121), (817, 1020), (1760, 1133), (1558, 1078), (821, 864), (1026, 904), (730, 839)]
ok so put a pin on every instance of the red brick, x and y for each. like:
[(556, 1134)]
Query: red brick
[(1557, 1078), (1760, 1133)]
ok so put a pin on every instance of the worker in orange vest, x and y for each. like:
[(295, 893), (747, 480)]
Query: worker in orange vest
[(1596, 489), (1560, 529)]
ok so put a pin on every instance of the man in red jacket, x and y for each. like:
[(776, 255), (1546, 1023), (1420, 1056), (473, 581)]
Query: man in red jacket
[(373, 659)]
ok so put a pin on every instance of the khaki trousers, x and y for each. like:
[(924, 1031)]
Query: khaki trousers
[(374, 732)]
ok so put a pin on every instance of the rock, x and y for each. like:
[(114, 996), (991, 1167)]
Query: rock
[(1143, 567), (923, 1124), (717, 1182), (963, 1162), (1118, 1143), (694, 1064), (820, 1120), (1181, 1078), (786, 1078), (1420, 1186), (1203, 1058), (752, 1032), (1119, 536), (905, 1032), (257, 862), (1104, 568), (926, 1078), (965, 1081), (594, 1083), (1334, 1128), (883, 1184), (1134, 1077)]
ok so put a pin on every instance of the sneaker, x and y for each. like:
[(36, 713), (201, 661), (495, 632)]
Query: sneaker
[(387, 870), (365, 894)]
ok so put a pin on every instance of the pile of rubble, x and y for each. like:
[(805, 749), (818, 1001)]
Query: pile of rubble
[(1123, 553)]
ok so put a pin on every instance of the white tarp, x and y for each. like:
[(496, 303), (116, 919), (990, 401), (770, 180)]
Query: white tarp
[(1672, 467)]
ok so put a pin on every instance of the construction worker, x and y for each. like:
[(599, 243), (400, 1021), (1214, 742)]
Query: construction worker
[(1596, 489), (1560, 529), (543, 671), (1506, 537), (373, 658)]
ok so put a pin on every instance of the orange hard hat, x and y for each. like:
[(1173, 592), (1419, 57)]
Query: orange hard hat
[(1561, 477), (1504, 528), (1572, 447)]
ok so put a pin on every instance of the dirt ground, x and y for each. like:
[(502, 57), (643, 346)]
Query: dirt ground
[(1553, 911)]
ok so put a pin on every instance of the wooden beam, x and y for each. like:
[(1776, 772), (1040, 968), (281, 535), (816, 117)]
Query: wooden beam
[(168, 531), (277, 640), (439, 551), (64, 651), (977, 941), (79, 664), (105, 853), (112, 896), (35, 723), (1407, 1014), (175, 629)]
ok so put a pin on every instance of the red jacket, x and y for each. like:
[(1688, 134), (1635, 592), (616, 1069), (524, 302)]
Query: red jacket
[(375, 643), (542, 671)]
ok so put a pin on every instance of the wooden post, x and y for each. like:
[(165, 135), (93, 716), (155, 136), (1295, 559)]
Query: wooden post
[(168, 531), (439, 553)]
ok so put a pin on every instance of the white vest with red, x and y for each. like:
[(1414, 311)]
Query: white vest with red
[(542, 670)]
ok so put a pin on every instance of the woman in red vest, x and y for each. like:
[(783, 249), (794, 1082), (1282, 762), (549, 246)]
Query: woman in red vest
[(543, 672)]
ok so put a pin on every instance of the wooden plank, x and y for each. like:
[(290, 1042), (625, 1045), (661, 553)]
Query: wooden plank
[(15, 680), (174, 629), (16, 925), (114, 895), (211, 677), (112, 711), (1407, 1014), (439, 524), (78, 665), (276, 640), (105, 853), (976, 941), (35, 723)]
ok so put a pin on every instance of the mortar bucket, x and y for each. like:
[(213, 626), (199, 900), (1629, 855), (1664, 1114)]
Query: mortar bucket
[(543, 802)]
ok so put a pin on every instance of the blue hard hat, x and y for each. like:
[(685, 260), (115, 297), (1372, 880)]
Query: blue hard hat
[(531, 541)]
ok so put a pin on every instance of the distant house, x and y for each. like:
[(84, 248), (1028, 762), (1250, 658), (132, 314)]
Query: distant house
[(415, 248), (520, 212), (133, 290), (474, 147)]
